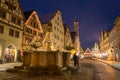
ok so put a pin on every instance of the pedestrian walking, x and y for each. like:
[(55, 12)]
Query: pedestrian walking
[(76, 59)]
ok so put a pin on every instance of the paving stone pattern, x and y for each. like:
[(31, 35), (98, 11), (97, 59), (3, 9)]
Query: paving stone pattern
[(76, 74)]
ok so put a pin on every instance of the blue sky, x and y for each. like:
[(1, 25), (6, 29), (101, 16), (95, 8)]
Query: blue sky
[(93, 15)]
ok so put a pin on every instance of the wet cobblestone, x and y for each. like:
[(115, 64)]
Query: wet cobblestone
[(81, 74)]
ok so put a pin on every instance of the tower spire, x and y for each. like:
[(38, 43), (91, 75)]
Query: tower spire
[(76, 24), (76, 20)]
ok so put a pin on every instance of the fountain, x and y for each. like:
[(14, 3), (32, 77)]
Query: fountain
[(42, 62)]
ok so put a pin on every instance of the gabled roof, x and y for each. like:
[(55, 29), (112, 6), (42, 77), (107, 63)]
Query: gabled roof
[(87, 51), (66, 26), (47, 18), (73, 36), (27, 14)]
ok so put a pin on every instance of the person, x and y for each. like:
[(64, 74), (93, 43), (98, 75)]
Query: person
[(76, 59)]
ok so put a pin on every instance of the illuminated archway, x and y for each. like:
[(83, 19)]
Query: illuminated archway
[(10, 53)]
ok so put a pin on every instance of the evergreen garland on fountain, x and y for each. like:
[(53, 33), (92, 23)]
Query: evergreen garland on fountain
[(35, 44)]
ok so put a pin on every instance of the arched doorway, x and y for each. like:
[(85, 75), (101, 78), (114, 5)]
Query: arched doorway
[(10, 54)]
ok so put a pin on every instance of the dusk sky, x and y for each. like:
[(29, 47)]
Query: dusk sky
[(93, 15)]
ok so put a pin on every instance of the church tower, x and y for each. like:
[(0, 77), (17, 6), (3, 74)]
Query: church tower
[(76, 26), (77, 37)]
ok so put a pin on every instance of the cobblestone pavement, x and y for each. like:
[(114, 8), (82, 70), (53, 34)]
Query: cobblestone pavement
[(114, 64), (83, 73), (5, 66), (89, 70), (102, 71)]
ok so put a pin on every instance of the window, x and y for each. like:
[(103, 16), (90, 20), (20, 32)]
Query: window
[(14, 8), (54, 27), (2, 14), (57, 18), (11, 32), (1, 29), (55, 35), (10, 5), (6, 2), (17, 34), (13, 19), (30, 31), (68, 36), (58, 23), (30, 22), (19, 22), (26, 29), (41, 35), (34, 33), (34, 25)]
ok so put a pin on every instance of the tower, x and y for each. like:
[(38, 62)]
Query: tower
[(76, 26), (77, 41), (77, 37)]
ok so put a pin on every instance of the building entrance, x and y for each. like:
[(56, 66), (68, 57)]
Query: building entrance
[(9, 55)]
